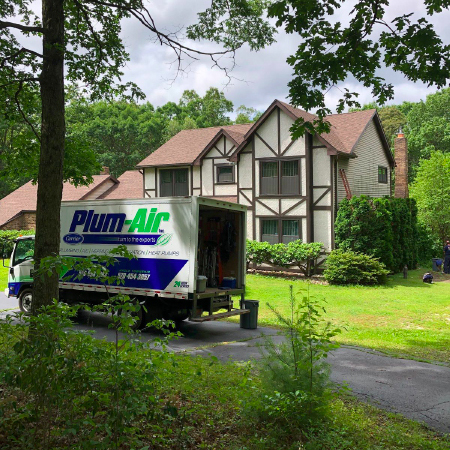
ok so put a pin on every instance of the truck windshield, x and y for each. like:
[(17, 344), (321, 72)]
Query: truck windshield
[(24, 251)]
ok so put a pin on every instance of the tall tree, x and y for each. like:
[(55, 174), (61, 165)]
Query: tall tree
[(356, 45), (431, 190), (428, 127), (83, 39)]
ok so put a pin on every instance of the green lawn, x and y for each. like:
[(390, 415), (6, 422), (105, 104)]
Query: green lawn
[(3, 275), (406, 317)]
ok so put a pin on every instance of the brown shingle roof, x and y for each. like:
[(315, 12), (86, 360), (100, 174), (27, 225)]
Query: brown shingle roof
[(130, 186), (187, 145), (25, 197), (345, 129)]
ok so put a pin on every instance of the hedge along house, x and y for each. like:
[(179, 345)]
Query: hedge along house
[(292, 188)]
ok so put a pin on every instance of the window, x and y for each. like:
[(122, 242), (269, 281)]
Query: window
[(270, 231), (275, 231), (290, 231), (382, 175), (24, 251), (225, 174), (173, 182), (269, 178), (280, 177)]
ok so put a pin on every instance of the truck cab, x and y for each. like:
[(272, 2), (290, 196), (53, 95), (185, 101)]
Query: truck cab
[(20, 274)]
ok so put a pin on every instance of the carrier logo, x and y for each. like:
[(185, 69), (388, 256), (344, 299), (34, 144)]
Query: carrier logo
[(181, 284), (144, 221), (73, 238)]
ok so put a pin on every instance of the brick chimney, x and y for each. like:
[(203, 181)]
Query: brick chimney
[(401, 162), (105, 171)]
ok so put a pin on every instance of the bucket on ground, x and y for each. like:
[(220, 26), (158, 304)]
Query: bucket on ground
[(437, 264), (249, 321)]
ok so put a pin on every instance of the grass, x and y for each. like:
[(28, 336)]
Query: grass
[(4, 275), (405, 318), (210, 401)]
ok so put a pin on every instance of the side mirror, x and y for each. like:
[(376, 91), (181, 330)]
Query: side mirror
[(3, 256)]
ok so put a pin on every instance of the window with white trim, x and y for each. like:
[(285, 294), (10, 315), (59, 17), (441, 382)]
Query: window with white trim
[(225, 174)]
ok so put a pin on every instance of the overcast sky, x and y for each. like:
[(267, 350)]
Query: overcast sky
[(265, 73)]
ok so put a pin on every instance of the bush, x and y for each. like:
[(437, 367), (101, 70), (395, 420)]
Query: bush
[(348, 267), (385, 228), (7, 240), (297, 253)]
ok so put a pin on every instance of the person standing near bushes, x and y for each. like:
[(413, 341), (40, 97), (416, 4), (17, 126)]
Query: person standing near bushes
[(447, 258)]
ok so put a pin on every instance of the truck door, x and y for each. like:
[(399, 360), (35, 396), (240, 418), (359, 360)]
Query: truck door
[(21, 266)]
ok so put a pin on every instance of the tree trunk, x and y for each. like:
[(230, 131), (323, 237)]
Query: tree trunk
[(50, 177)]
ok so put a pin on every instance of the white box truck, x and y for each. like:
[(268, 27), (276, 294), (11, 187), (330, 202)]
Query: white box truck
[(190, 255)]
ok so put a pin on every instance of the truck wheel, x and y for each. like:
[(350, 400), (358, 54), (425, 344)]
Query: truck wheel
[(25, 300)]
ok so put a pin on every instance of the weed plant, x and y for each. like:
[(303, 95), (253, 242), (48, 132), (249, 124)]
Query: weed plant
[(295, 381)]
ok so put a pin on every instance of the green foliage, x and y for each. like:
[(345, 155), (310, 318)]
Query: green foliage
[(297, 253), (74, 386), (304, 255), (7, 240), (331, 50), (385, 228), (428, 128), (294, 375), (432, 193), (348, 267), (247, 115)]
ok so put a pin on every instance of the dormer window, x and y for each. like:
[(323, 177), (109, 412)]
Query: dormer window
[(225, 174)]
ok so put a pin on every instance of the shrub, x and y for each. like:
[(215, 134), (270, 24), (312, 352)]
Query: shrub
[(258, 252), (385, 228), (7, 240), (348, 267), (296, 387), (304, 255), (297, 253)]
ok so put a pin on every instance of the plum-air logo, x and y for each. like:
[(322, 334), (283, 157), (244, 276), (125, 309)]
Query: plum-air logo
[(144, 221)]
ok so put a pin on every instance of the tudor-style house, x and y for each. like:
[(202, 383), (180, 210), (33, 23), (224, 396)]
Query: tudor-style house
[(292, 188)]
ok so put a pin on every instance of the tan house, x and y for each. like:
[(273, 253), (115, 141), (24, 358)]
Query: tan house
[(18, 209), (292, 188)]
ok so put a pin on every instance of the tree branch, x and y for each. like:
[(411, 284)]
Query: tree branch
[(21, 80), (16, 98), (21, 27), (22, 50)]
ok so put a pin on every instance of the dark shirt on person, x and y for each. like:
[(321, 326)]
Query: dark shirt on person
[(447, 250)]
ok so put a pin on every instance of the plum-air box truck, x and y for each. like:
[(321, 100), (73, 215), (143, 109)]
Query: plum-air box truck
[(189, 255)]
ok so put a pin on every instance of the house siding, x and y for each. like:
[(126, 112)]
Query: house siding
[(97, 192), (362, 171), (25, 221)]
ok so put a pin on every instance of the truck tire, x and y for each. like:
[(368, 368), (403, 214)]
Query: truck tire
[(25, 300)]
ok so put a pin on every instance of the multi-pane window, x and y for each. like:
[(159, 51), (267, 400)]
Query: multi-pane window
[(174, 182), (275, 231), (280, 177), (225, 174), (269, 178), (270, 231), (382, 175)]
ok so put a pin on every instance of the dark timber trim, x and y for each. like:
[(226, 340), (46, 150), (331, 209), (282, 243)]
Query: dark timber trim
[(309, 189)]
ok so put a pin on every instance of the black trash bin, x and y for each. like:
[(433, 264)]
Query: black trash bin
[(249, 321), (437, 264)]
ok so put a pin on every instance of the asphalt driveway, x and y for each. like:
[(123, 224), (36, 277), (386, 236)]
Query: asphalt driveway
[(417, 390)]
